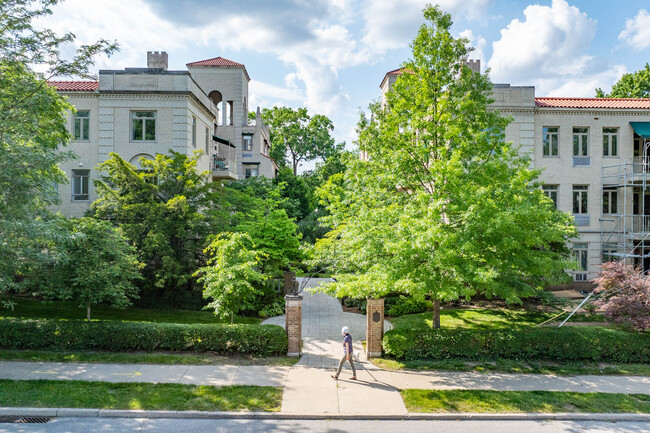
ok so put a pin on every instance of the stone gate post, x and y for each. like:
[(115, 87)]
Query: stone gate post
[(293, 324), (375, 327)]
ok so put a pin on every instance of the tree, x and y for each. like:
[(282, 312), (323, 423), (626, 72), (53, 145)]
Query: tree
[(443, 208), (257, 209), (32, 129), (625, 295), (297, 135), (631, 85), (167, 210), (95, 264), (232, 269)]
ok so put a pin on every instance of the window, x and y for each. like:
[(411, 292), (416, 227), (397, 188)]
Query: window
[(580, 141), (193, 131), (580, 255), (551, 192), (610, 141), (580, 198), (143, 125), (550, 139), (608, 255), (610, 198), (207, 140), (82, 126), (80, 180), (250, 172), (248, 143)]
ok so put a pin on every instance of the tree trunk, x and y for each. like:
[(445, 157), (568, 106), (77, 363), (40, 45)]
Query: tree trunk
[(232, 319), (436, 314), (88, 311)]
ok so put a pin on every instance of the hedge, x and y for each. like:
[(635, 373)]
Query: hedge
[(543, 344), (261, 340)]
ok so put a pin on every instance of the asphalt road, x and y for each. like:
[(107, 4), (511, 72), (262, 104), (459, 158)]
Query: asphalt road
[(128, 425)]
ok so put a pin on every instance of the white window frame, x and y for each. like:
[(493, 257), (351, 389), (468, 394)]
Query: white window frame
[(80, 184), (551, 141), (193, 131), (247, 147), (581, 255), (551, 191), (610, 142), (135, 117), (81, 118), (610, 201), (580, 200), (580, 141)]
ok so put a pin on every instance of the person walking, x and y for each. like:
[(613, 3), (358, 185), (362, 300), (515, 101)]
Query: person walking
[(347, 354)]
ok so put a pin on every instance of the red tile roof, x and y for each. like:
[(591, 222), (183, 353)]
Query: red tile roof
[(399, 71), (217, 61), (74, 86), (616, 103)]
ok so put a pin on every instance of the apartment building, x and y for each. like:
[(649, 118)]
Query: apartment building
[(141, 112), (595, 160)]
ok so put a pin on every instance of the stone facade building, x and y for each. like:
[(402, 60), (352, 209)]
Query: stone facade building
[(141, 112), (594, 154)]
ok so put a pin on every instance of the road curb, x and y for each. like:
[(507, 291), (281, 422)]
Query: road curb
[(115, 413)]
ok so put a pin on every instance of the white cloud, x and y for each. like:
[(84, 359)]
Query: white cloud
[(392, 24), (637, 31), (476, 42), (584, 87), (551, 42)]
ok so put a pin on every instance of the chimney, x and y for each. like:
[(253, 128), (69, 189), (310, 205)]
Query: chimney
[(157, 59), (474, 65)]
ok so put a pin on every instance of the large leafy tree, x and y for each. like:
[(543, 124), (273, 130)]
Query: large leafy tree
[(443, 208), (95, 264), (296, 136), (631, 85), (32, 129), (231, 275), (167, 210)]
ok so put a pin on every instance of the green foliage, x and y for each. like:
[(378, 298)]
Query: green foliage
[(261, 340), (167, 210), (535, 344), (258, 212), (95, 265), (361, 304), (443, 208), (295, 193), (396, 306), (298, 136), (631, 85), (32, 129), (229, 278)]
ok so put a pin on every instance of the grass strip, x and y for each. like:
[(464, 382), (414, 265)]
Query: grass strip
[(143, 396), (421, 400), (513, 366), (146, 358)]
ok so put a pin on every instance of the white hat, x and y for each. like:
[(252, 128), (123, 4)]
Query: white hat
[(345, 330)]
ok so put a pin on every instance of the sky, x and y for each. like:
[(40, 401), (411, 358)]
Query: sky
[(331, 55)]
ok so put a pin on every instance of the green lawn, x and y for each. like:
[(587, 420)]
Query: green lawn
[(35, 309), (479, 318), (145, 358), (144, 396), (420, 400), (511, 366)]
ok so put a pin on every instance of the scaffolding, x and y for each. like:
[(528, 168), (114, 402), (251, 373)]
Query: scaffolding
[(625, 215)]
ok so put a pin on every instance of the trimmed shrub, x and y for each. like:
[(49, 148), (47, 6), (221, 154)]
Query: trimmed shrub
[(396, 306), (261, 340), (542, 344)]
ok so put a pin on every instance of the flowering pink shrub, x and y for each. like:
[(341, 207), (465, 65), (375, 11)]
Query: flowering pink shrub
[(625, 295)]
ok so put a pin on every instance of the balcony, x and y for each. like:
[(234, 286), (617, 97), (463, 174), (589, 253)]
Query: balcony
[(223, 168)]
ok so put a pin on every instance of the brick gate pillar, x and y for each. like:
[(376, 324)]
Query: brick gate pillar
[(293, 323), (375, 327)]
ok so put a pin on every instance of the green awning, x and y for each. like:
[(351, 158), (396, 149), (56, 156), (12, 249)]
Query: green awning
[(223, 141), (641, 128)]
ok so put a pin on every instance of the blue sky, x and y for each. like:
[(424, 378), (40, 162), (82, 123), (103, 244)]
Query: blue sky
[(331, 55)]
